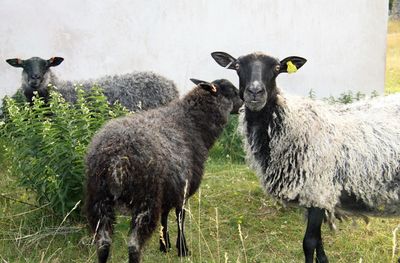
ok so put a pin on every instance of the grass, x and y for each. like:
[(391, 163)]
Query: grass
[(393, 58), (229, 220), (269, 232)]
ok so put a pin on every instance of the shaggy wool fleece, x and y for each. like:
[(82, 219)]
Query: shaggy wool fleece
[(320, 152), (141, 90)]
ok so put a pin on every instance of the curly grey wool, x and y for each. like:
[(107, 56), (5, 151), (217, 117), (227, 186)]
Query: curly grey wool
[(320, 154), (139, 90), (334, 160)]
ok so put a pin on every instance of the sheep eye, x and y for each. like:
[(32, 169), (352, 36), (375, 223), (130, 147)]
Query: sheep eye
[(277, 68), (237, 66)]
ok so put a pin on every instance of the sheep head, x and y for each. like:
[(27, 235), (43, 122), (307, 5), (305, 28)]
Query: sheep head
[(34, 69), (257, 74), (223, 88)]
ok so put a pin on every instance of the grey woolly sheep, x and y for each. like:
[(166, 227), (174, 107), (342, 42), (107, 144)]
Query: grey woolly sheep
[(328, 158), (153, 161), (136, 90)]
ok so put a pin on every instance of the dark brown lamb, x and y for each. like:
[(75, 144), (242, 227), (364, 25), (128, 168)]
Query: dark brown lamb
[(150, 162)]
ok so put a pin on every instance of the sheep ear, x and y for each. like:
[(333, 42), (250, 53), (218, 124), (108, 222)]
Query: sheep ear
[(55, 61), (224, 59), (197, 81), (15, 62), (292, 64), (210, 87)]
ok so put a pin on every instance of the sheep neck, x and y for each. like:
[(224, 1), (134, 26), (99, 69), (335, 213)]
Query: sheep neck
[(257, 125), (208, 116), (42, 90)]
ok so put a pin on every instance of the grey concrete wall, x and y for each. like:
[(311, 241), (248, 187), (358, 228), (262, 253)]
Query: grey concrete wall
[(344, 41)]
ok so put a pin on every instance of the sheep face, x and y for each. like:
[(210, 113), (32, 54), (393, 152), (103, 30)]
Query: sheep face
[(225, 90), (229, 92), (34, 69), (257, 74)]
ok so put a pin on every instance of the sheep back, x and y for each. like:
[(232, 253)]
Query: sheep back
[(148, 153), (136, 91)]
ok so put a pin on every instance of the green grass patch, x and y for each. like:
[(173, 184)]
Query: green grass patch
[(228, 148), (230, 196)]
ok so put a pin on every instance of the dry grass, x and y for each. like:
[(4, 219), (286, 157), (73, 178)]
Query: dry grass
[(393, 58)]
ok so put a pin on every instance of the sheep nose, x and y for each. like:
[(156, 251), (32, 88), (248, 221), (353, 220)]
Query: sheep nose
[(36, 76), (256, 89)]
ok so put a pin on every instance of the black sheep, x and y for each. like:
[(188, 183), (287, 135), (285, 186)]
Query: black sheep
[(151, 162)]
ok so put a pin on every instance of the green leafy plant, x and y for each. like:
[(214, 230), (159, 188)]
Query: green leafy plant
[(45, 144), (350, 97), (18, 97), (312, 95), (229, 145)]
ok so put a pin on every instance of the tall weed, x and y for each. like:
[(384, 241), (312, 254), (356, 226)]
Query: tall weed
[(45, 144)]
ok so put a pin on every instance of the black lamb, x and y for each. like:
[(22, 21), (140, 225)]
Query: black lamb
[(151, 162)]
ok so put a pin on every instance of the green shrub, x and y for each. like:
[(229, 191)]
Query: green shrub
[(311, 94), (2, 157), (229, 146), (18, 97), (45, 144), (350, 97)]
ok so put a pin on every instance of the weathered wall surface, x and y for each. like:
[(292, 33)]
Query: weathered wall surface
[(344, 41)]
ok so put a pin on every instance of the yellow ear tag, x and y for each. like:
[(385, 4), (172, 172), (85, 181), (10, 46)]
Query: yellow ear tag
[(291, 68), (213, 88)]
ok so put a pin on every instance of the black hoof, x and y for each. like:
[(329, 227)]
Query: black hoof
[(134, 255), (102, 254), (165, 245), (164, 248)]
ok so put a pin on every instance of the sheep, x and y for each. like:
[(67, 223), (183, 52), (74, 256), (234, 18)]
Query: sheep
[(136, 91), (36, 75), (150, 162), (330, 159)]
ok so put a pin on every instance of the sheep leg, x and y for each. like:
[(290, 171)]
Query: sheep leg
[(104, 243), (143, 224), (312, 238), (101, 219), (165, 243), (181, 246)]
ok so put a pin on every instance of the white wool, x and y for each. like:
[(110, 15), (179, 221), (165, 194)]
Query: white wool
[(333, 148)]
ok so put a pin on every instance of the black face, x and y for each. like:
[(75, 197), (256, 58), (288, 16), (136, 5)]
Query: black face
[(228, 90), (222, 87), (257, 74), (35, 68)]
